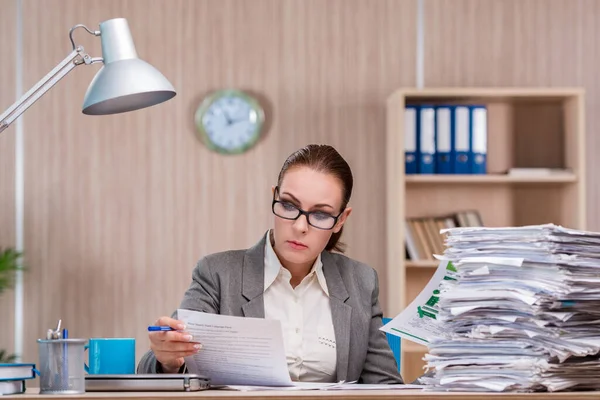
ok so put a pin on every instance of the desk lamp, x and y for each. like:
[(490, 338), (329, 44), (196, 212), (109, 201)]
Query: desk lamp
[(124, 83)]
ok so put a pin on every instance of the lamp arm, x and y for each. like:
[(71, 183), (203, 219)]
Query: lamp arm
[(75, 58)]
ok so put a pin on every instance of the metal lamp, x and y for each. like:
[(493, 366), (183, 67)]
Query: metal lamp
[(124, 83)]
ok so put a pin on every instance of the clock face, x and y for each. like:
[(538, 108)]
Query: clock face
[(229, 121)]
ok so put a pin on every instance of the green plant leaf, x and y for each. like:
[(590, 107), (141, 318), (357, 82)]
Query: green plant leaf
[(9, 264), (7, 358)]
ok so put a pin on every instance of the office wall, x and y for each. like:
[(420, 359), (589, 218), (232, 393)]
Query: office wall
[(7, 159), (520, 43), (119, 208)]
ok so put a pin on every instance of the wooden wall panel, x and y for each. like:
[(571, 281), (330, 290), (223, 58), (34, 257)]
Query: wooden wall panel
[(119, 208), (520, 43), (8, 41)]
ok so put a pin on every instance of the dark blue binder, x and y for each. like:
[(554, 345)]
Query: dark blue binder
[(411, 139), (444, 136), (462, 140), (478, 139), (426, 135)]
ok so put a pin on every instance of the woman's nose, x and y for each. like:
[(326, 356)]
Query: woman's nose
[(301, 224)]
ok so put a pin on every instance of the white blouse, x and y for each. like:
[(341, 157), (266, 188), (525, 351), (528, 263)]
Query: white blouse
[(305, 315)]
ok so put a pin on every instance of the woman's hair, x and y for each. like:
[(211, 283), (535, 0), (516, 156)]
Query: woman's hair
[(326, 159)]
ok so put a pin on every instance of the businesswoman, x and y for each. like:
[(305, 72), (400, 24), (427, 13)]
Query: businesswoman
[(327, 303)]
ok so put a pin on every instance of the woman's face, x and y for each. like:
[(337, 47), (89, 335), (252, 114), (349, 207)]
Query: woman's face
[(296, 241)]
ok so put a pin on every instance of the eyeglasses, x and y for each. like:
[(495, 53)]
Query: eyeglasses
[(318, 219)]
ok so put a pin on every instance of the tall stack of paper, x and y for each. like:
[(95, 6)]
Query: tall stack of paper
[(523, 313)]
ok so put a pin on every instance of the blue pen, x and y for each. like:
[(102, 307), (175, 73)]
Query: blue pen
[(160, 328), (65, 335)]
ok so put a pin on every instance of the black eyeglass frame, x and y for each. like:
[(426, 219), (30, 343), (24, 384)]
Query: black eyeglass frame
[(302, 212)]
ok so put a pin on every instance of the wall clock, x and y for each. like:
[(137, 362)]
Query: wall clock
[(229, 121)]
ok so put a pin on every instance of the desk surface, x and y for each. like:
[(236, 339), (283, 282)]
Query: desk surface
[(309, 394)]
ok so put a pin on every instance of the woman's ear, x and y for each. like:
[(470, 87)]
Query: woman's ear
[(342, 219)]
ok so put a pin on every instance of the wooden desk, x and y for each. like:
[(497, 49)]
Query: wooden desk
[(309, 394)]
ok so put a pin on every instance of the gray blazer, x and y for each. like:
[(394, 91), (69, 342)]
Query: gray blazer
[(232, 283)]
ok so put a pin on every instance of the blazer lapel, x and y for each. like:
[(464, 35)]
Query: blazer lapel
[(341, 312), (253, 280)]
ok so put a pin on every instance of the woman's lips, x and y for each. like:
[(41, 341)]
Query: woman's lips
[(296, 245)]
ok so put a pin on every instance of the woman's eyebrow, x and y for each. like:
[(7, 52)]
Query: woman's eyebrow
[(295, 199)]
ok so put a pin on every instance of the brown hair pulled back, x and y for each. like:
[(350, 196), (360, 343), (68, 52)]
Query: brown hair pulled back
[(326, 159)]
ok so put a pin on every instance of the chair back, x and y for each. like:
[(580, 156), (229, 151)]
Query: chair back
[(395, 343)]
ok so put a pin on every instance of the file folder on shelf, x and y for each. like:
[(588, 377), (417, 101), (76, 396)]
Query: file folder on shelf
[(411, 129), (462, 140), (444, 133), (426, 135), (479, 139)]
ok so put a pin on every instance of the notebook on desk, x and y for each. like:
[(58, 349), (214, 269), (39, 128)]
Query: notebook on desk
[(146, 383)]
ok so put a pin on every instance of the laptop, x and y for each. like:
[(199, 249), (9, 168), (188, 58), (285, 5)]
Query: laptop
[(146, 383)]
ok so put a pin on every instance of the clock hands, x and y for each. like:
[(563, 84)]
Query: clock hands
[(232, 121), (228, 120)]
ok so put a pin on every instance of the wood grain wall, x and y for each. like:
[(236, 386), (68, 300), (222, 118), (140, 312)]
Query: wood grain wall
[(529, 43), (8, 47), (120, 208)]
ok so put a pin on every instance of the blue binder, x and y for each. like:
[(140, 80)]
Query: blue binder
[(411, 139), (426, 135), (479, 139), (462, 140), (444, 136)]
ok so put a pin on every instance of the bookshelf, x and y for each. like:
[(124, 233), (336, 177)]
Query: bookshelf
[(526, 128)]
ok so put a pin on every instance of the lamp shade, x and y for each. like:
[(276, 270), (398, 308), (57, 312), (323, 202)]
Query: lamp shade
[(124, 83)]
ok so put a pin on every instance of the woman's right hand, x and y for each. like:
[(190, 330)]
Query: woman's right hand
[(170, 347)]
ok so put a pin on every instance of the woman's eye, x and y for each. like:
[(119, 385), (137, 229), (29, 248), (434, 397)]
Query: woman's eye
[(322, 216), (288, 206)]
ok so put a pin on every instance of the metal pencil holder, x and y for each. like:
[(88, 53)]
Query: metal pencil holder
[(61, 366)]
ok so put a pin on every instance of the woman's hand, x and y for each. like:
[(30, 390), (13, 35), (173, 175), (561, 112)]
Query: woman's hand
[(170, 347)]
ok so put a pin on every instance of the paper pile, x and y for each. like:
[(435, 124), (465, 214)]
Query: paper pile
[(523, 313)]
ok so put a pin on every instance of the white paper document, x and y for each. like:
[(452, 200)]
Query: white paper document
[(419, 321), (237, 350), (522, 313)]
